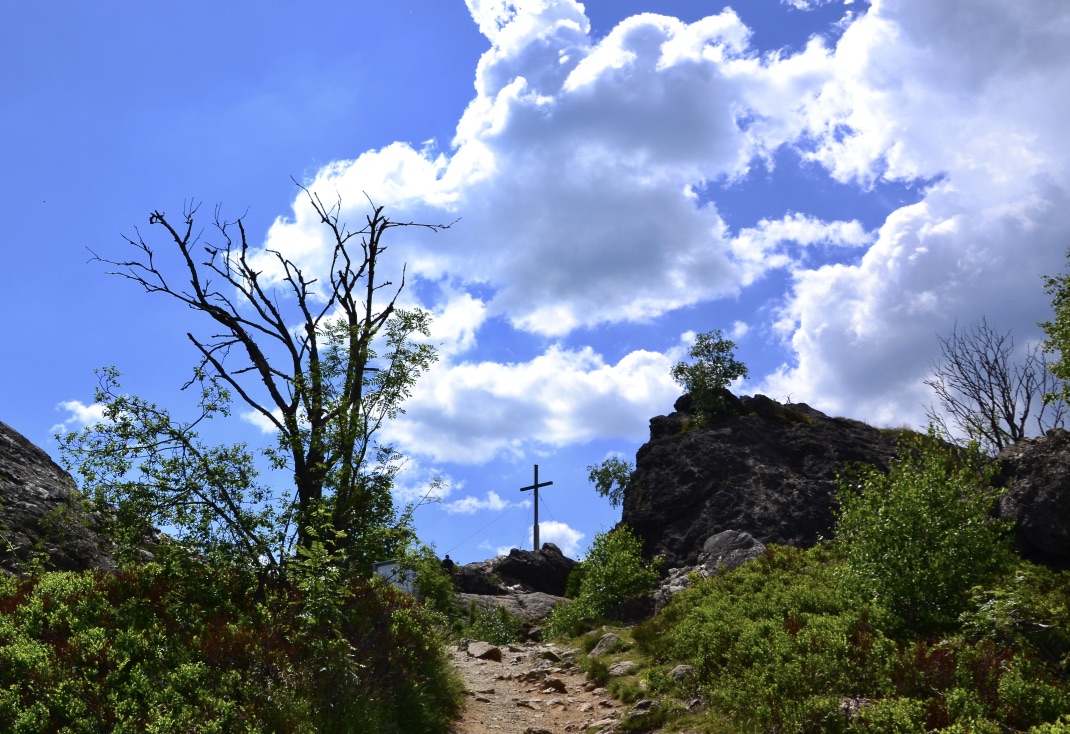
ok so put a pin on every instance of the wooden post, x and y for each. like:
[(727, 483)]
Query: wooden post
[(535, 487)]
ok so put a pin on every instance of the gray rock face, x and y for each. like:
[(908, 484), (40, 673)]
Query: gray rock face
[(720, 553), (729, 549), (40, 515), (1036, 473), (769, 470), (609, 643), (545, 570), (527, 607)]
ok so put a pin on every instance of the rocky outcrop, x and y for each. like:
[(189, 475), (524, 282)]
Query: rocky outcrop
[(527, 607), (720, 553), (767, 469), (40, 515), (545, 570), (1036, 475)]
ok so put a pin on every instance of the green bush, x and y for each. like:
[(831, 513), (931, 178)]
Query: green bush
[(434, 586), (614, 570), (780, 645), (920, 537), (189, 648), (1029, 610), (891, 716), (772, 641), (575, 580), (496, 626)]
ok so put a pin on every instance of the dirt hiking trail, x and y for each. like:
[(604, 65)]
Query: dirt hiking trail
[(530, 689)]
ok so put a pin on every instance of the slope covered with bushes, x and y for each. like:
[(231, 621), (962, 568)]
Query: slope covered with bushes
[(917, 616), (182, 647)]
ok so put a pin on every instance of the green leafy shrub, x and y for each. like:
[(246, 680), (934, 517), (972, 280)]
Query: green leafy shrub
[(891, 716), (597, 670), (1030, 610), (614, 570), (920, 537), (780, 645), (190, 648), (434, 586), (575, 580), (496, 626), (772, 640)]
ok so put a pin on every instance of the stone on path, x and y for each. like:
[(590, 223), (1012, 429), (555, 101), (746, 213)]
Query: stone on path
[(485, 651), (555, 684)]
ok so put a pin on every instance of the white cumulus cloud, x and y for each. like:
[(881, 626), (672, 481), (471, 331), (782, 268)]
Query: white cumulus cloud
[(79, 415), (471, 505), (586, 172), (560, 534), (472, 412), (974, 96), (574, 168)]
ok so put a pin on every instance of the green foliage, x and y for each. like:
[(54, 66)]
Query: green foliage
[(574, 582), (1057, 330), (597, 670), (714, 368), (920, 537), (496, 626), (325, 359), (187, 648), (610, 478), (891, 716), (771, 640), (434, 586), (649, 719), (614, 571), (155, 471), (778, 645)]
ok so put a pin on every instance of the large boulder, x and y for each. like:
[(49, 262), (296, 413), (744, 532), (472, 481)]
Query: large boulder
[(720, 553), (766, 468), (41, 516), (545, 570), (527, 607), (1036, 474)]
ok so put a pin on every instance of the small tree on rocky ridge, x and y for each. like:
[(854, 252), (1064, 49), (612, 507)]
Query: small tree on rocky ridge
[(713, 370)]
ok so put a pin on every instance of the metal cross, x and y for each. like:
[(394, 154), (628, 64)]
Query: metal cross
[(535, 487)]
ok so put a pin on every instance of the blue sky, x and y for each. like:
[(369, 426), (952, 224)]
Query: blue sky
[(832, 183)]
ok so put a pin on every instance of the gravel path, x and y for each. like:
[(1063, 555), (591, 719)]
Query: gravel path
[(529, 690)]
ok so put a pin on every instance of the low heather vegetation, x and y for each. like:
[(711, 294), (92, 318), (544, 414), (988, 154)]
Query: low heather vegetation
[(916, 617), (181, 647)]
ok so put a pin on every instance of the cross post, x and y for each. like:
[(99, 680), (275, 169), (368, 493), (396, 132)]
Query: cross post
[(535, 487)]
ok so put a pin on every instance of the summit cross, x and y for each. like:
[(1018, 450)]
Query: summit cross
[(535, 487)]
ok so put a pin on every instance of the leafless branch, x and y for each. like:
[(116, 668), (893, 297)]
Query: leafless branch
[(274, 358), (988, 392)]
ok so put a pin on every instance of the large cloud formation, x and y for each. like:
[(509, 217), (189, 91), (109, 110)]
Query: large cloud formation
[(971, 95), (586, 172)]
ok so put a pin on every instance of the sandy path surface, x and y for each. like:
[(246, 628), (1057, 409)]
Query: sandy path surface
[(529, 690)]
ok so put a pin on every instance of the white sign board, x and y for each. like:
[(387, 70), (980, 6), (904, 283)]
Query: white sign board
[(396, 575)]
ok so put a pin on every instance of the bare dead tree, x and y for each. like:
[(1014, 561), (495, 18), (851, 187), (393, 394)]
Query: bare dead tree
[(988, 392), (303, 353)]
